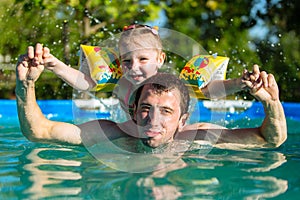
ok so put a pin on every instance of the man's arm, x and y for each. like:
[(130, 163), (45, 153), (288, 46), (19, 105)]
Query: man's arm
[(32, 121), (265, 89), (35, 126), (273, 131)]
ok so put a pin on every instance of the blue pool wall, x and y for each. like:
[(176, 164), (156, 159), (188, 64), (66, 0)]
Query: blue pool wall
[(63, 110)]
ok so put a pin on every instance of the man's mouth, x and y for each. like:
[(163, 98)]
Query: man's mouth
[(151, 133)]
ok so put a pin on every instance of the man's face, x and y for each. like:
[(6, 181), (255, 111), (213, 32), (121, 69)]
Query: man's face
[(158, 116)]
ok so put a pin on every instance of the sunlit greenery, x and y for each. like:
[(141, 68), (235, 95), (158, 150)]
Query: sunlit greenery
[(247, 31)]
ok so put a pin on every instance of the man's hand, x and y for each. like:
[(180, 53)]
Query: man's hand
[(31, 65), (262, 86)]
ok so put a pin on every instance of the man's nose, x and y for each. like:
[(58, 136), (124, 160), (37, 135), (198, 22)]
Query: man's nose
[(154, 117)]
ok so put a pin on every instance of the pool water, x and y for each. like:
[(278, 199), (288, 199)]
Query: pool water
[(49, 171)]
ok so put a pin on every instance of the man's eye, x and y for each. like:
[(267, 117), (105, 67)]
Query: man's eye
[(166, 111), (144, 109)]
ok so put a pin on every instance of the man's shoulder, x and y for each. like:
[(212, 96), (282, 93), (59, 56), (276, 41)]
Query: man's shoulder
[(109, 128), (201, 126)]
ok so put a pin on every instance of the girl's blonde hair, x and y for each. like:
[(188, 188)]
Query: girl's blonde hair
[(138, 36)]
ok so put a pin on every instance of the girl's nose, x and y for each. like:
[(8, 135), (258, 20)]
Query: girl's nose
[(134, 65)]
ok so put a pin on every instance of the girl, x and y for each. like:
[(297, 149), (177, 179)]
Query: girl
[(141, 54)]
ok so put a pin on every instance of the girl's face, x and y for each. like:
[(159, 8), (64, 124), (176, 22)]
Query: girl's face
[(139, 65)]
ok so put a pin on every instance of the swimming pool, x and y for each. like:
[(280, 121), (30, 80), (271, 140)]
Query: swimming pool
[(49, 171)]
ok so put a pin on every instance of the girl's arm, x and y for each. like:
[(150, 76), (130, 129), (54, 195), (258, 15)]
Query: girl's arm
[(222, 88), (72, 76)]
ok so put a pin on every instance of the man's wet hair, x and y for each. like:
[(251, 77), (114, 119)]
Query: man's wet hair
[(166, 82)]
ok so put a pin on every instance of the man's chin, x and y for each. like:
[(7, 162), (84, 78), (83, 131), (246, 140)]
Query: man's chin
[(149, 142)]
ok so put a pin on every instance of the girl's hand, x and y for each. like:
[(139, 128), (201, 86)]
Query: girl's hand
[(50, 61)]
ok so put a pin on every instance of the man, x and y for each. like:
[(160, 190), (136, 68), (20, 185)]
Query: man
[(159, 116)]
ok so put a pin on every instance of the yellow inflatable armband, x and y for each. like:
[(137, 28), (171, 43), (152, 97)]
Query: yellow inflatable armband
[(202, 69), (102, 64)]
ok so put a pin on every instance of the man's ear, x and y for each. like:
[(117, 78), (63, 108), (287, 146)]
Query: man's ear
[(161, 59), (182, 121)]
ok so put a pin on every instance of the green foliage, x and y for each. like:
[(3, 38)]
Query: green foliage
[(220, 26), (51, 87), (223, 27), (7, 83)]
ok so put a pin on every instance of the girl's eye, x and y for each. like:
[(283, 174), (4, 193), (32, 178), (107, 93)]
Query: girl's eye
[(126, 64), (125, 61), (144, 59)]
